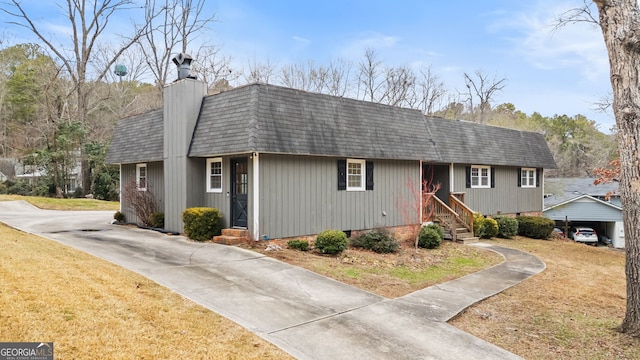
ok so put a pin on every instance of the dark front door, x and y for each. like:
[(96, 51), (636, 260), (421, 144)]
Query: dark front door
[(239, 192)]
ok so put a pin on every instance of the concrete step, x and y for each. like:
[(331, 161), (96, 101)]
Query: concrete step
[(468, 239)]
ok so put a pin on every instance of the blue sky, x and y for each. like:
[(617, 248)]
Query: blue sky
[(562, 72)]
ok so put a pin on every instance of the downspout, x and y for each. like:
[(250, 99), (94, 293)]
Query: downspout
[(421, 194), (120, 188), (255, 227), (451, 180)]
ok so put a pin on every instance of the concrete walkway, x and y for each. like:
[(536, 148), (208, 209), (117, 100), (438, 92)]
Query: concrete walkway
[(305, 314)]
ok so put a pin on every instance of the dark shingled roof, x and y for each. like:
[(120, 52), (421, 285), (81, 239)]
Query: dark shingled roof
[(464, 142), (137, 139), (274, 119)]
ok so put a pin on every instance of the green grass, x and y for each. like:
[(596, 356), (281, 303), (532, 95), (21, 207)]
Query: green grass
[(451, 268), (64, 204)]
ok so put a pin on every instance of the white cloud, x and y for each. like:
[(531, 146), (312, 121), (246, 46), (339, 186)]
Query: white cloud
[(578, 46), (377, 41), (301, 40)]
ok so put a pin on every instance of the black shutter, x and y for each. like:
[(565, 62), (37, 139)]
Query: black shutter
[(342, 174), (519, 177), (493, 177), (538, 171), (369, 172), (468, 172)]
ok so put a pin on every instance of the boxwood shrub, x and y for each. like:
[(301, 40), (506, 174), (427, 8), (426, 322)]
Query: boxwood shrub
[(507, 226), (302, 245), (202, 223), (485, 228), (535, 227), (430, 236), (157, 219), (379, 240), (331, 242)]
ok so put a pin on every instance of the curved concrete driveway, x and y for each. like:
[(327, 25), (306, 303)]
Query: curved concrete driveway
[(305, 314)]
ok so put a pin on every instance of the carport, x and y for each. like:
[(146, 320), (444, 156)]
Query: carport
[(602, 216)]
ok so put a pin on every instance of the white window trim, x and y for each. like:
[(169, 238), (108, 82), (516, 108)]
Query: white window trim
[(527, 170), (363, 175), (480, 186), (146, 176), (208, 180)]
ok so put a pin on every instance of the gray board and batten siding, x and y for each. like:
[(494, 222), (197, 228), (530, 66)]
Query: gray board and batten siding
[(506, 197), (299, 195), (155, 185), (183, 186)]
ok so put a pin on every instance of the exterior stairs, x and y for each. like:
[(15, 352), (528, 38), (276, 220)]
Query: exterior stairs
[(464, 236), (232, 237)]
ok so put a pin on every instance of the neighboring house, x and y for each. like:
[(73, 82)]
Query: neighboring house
[(577, 201), (282, 162)]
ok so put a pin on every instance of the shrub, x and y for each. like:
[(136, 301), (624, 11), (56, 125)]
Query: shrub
[(430, 236), (157, 220), (507, 226), (302, 245), (201, 223), (485, 228), (489, 228), (478, 222), (535, 227), (143, 203), (119, 217), (331, 241), (379, 240), (78, 193), (19, 187)]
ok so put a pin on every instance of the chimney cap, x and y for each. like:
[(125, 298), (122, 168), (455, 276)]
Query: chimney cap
[(182, 58), (183, 62)]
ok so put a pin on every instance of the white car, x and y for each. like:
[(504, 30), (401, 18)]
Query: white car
[(584, 235)]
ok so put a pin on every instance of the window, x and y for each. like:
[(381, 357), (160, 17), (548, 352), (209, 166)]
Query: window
[(355, 178), (141, 177), (214, 175), (355, 175), (528, 178), (479, 176)]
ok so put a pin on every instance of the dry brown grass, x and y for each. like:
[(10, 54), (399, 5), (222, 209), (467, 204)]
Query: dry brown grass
[(92, 309), (393, 275), (569, 311)]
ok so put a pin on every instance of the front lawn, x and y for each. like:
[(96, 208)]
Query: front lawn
[(93, 309), (64, 204)]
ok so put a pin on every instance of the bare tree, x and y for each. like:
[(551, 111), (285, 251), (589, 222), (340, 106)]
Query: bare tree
[(399, 86), (369, 74), (484, 89), (170, 24), (88, 20), (259, 72), (120, 93), (431, 89), (213, 68), (337, 79)]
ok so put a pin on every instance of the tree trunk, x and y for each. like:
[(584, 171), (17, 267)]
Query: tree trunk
[(621, 30)]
